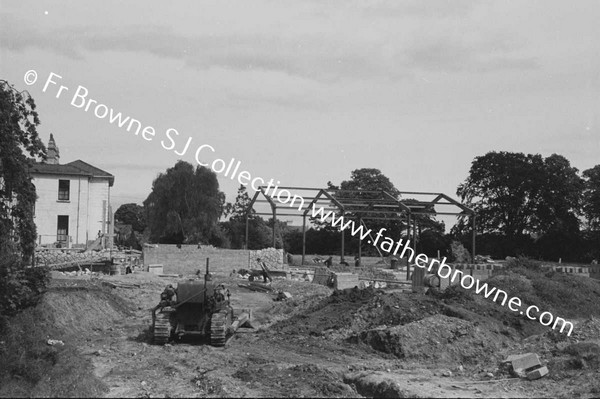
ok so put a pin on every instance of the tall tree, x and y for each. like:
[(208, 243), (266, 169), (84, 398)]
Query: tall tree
[(561, 196), (185, 205), (591, 197), (368, 184), (19, 141), (364, 185), (516, 194)]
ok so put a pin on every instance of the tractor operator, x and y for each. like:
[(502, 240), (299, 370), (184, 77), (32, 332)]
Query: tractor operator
[(166, 297)]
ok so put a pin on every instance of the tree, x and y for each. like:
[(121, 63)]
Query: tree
[(516, 194), (19, 143), (367, 184), (502, 191), (132, 214), (259, 235), (561, 196), (524, 203), (185, 205), (369, 179), (241, 204), (591, 197)]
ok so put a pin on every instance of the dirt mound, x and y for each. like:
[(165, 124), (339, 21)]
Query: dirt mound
[(354, 310), (437, 338)]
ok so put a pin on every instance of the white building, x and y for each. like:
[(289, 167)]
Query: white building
[(73, 204)]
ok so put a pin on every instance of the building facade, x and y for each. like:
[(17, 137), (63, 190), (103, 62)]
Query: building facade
[(73, 204)]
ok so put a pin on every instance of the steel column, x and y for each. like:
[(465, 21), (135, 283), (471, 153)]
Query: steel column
[(360, 244), (473, 238), (274, 224), (246, 247), (343, 249), (303, 237)]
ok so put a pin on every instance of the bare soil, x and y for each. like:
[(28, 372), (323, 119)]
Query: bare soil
[(320, 343)]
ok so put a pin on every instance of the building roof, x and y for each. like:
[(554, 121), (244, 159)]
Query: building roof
[(75, 168)]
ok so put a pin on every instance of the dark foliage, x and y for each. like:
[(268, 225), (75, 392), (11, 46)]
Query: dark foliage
[(530, 205), (20, 287), (185, 205), (132, 214), (19, 140), (234, 230)]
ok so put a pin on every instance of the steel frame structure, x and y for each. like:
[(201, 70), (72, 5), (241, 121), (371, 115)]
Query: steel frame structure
[(365, 203)]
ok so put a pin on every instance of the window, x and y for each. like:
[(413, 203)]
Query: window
[(63, 190), (62, 228)]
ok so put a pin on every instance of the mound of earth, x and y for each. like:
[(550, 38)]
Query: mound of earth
[(355, 310), (437, 338)]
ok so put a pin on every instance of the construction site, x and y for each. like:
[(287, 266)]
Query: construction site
[(301, 329), (364, 199)]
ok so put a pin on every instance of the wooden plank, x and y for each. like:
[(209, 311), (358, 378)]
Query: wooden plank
[(240, 321), (384, 281)]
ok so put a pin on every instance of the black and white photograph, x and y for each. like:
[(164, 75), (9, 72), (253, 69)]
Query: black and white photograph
[(336, 199)]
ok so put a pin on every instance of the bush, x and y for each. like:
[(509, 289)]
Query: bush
[(31, 368), (20, 287), (523, 262), (456, 293)]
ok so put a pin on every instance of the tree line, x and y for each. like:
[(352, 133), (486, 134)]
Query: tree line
[(525, 205), (534, 206)]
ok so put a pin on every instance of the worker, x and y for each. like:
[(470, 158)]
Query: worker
[(329, 261), (265, 271), (166, 297), (356, 261), (220, 293)]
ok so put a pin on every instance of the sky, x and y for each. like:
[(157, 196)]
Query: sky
[(304, 92)]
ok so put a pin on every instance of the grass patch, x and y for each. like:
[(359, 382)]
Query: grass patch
[(565, 295), (29, 367)]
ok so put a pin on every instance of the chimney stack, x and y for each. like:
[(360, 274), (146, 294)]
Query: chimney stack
[(53, 155)]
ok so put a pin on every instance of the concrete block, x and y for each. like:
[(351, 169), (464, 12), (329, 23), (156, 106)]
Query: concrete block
[(155, 269), (537, 373), (345, 280), (522, 363)]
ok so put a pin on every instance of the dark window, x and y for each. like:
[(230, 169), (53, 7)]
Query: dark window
[(63, 190), (62, 228)]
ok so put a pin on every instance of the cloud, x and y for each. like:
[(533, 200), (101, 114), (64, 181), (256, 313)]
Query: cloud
[(479, 56), (418, 8), (317, 56)]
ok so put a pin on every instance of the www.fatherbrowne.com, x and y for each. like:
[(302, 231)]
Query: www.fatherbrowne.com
[(443, 270)]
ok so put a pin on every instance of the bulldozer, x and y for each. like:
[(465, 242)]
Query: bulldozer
[(195, 308)]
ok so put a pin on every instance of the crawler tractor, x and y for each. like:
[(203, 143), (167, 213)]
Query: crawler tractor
[(195, 308)]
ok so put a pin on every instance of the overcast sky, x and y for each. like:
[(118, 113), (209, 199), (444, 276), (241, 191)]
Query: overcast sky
[(307, 91)]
